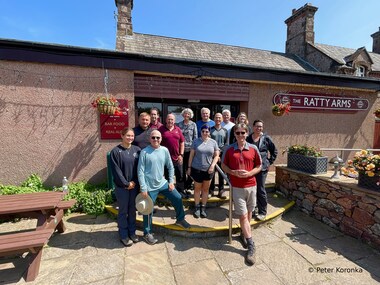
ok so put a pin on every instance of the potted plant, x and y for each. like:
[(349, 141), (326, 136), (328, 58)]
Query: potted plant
[(377, 113), (106, 105), (280, 109), (306, 158), (367, 165)]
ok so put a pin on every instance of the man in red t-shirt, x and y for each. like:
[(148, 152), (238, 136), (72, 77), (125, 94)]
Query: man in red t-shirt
[(174, 141), (242, 161)]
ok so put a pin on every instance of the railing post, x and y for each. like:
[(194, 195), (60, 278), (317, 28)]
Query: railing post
[(230, 204)]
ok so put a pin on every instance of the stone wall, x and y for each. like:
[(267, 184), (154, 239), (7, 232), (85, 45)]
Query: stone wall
[(340, 204)]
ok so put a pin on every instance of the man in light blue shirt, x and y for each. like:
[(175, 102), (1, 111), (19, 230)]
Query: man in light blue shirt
[(150, 170)]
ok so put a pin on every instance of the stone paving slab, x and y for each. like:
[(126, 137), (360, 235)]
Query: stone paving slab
[(152, 267), (201, 272)]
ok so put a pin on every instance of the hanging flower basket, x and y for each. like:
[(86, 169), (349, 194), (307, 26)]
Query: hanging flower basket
[(377, 113), (280, 109), (106, 109), (278, 113), (107, 105)]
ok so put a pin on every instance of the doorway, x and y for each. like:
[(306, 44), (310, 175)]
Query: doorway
[(167, 106)]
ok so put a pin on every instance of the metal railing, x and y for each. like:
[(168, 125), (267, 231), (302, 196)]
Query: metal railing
[(342, 150), (230, 203)]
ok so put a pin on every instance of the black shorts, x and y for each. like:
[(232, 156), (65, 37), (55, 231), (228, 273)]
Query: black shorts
[(199, 176)]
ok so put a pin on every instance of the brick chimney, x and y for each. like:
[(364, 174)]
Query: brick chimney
[(376, 42), (300, 30), (124, 22)]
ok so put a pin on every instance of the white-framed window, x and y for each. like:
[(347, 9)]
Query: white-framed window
[(360, 71)]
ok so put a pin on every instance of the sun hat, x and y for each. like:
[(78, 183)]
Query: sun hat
[(144, 205)]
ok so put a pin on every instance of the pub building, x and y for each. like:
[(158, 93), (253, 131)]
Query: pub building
[(47, 89)]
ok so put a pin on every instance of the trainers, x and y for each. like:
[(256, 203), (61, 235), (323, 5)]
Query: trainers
[(126, 241), (149, 238), (203, 212), (250, 257), (183, 224), (197, 212), (134, 238), (261, 217), (243, 240)]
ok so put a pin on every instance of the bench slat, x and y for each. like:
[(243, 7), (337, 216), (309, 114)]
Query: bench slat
[(35, 195), (66, 204), (25, 240)]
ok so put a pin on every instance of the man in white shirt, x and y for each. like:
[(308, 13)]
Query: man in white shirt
[(227, 124)]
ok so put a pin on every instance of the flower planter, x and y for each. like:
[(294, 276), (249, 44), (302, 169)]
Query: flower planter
[(278, 113), (106, 109), (308, 164), (371, 183)]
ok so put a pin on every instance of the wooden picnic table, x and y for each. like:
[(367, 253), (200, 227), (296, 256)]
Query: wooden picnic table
[(48, 208)]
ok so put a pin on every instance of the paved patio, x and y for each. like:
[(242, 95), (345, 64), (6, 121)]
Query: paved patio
[(295, 249), (291, 249)]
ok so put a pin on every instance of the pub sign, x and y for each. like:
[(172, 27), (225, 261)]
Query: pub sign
[(112, 125), (321, 102)]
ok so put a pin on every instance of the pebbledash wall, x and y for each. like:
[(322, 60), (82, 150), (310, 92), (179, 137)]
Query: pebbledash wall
[(344, 206), (49, 127), (47, 124), (324, 129)]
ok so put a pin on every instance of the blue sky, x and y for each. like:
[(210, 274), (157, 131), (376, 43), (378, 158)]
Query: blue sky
[(248, 23)]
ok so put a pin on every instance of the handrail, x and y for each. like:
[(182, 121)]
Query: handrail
[(347, 149), (230, 204)]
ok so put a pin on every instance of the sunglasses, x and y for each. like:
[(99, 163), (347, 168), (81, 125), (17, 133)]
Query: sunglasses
[(155, 138), (240, 133)]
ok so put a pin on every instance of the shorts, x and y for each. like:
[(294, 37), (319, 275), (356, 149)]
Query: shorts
[(199, 176), (244, 199)]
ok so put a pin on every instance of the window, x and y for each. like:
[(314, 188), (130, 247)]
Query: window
[(360, 71)]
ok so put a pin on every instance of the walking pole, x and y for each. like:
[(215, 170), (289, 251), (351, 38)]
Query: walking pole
[(230, 204)]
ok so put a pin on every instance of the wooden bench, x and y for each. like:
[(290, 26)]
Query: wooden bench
[(31, 242), (65, 205)]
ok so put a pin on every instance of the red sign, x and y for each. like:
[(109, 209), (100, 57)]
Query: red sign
[(112, 125), (319, 102)]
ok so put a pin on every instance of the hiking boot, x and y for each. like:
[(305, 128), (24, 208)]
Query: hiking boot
[(203, 211), (126, 241), (197, 212), (261, 217), (183, 224), (243, 240), (134, 238), (149, 238), (250, 257)]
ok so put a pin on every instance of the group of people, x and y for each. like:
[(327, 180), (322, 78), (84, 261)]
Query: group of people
[(155, 158)]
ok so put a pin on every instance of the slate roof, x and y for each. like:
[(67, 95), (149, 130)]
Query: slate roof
[(197, 51), (340, 53)]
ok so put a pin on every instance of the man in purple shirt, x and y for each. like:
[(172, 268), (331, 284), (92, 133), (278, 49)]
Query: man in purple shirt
[(174, 141)]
